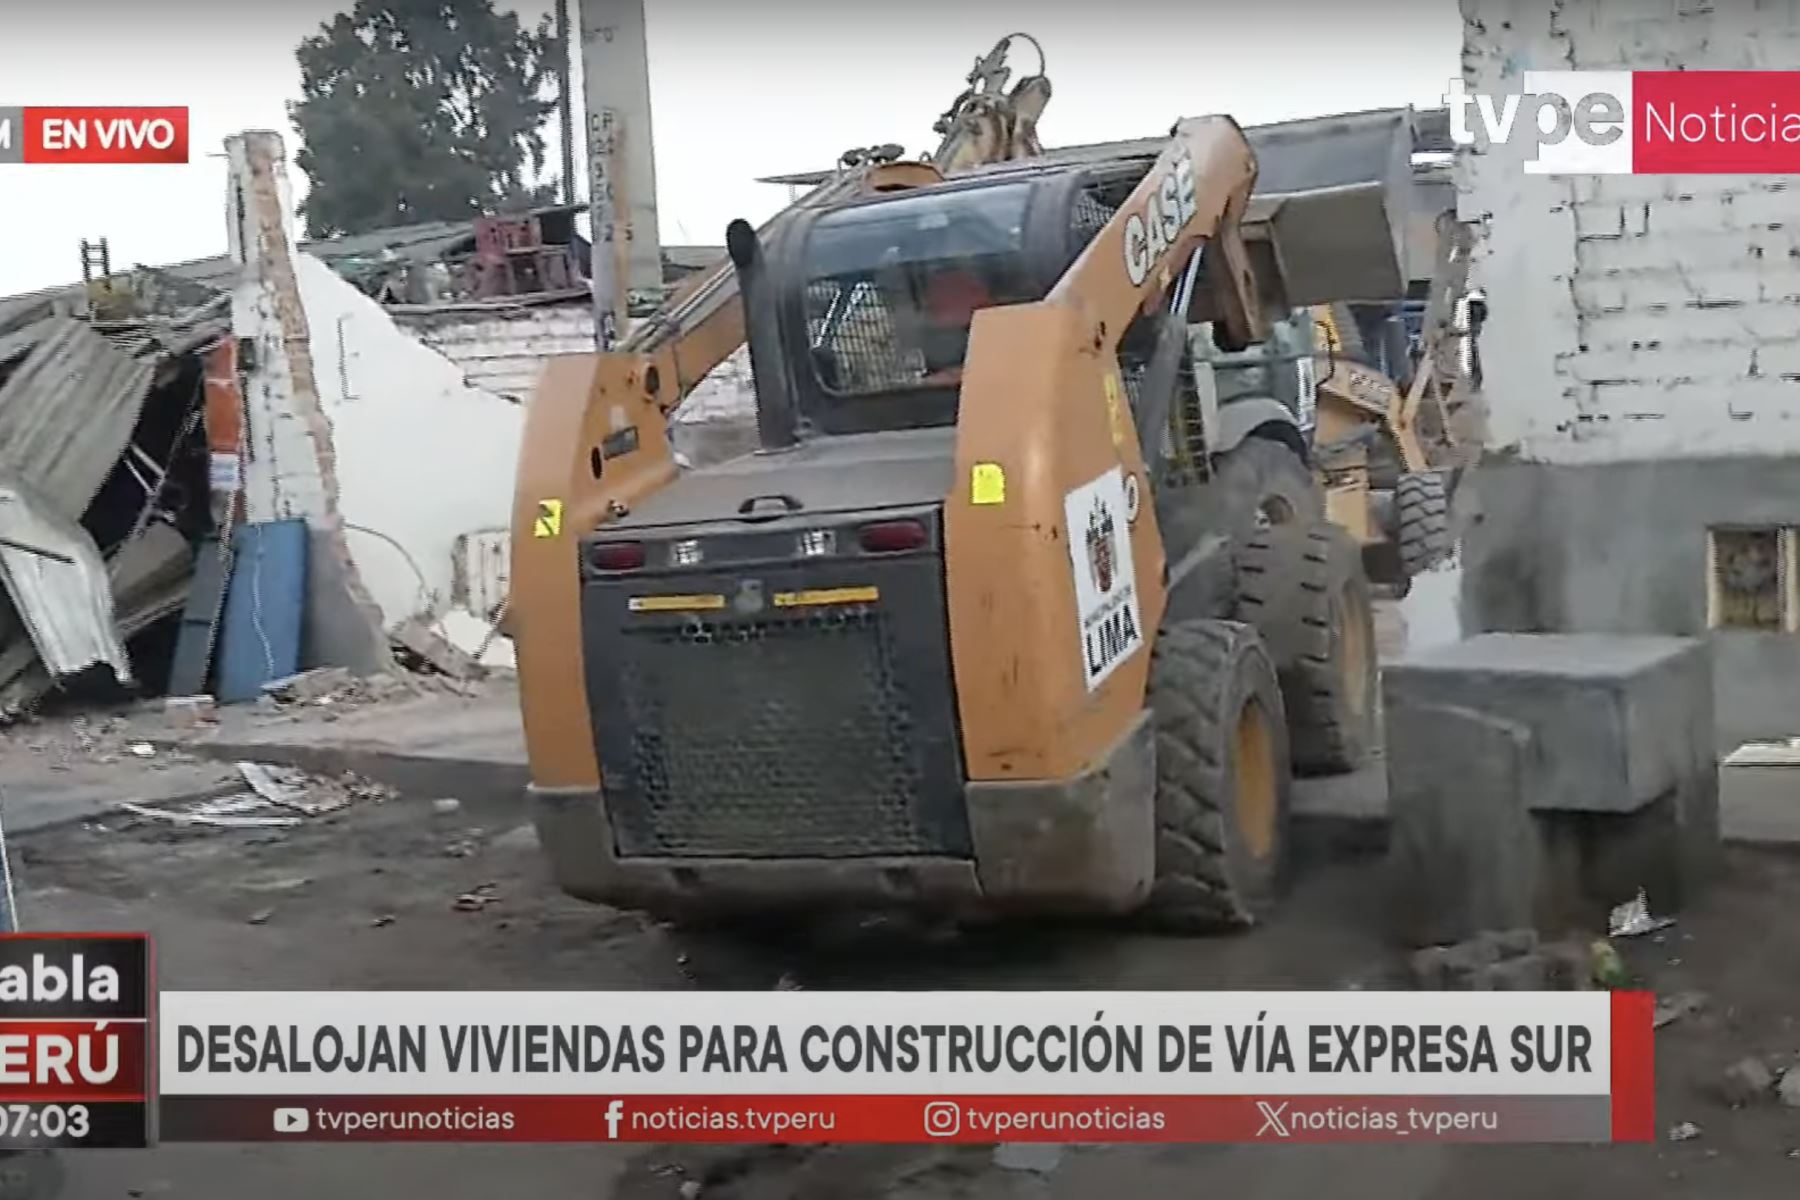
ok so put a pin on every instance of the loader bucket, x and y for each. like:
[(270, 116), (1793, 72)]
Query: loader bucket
[(1334, 198)]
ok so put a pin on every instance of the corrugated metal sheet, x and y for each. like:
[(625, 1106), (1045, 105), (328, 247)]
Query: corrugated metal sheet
[(67, 412), (67, 607)]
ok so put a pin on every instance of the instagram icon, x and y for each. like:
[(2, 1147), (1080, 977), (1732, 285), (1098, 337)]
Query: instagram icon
[(942, 1119)]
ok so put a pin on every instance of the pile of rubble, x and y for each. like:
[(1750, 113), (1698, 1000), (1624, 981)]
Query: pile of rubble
[(1513, 960)]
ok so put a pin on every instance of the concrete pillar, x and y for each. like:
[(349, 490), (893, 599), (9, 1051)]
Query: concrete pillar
[(289, 456), (621, 166)]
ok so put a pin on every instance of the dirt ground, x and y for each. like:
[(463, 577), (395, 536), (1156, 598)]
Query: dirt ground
[(364, 898)]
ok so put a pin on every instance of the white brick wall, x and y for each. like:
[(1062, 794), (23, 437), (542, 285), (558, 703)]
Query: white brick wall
[(504, 352), (1633, 317)]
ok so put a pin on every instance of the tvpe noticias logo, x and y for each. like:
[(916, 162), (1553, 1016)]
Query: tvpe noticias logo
[(1638, 122), (93, 135)]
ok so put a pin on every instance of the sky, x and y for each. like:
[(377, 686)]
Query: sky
[(739, 89)]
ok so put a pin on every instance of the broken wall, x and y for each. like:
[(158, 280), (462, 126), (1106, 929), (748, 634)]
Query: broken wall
[(289, 468), (352, 424), (423, 459), (1642, 353)]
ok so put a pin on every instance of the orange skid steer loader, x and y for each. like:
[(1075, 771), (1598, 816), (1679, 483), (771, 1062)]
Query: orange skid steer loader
[(1002, 616)]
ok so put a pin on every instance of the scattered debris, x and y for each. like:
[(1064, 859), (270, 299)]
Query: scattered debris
[(1687, 1131), (519, 838), (1676, 1007), (461, 848), (290, 787), (445, 805), (478, 899), (310, 687), (1501, 961), (426, 648), (278, 785), (1789, 1091), (1745, 1082), (188, 712), (142, 749), (232, 812), (1041, 1157), (285, 883), (1633, 919), (1607, 968), (1567, 967), (260, 916)]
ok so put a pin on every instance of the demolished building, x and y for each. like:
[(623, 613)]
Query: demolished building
[(298, 454), (103, 463)]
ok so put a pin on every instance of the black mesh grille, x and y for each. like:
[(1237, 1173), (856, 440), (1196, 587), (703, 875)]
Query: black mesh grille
[(855, 341), (776, 736), (1089, 216)]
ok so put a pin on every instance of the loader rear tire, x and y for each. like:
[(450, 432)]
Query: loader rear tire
[(1422, 516), (1222, 777), (1262, 483), (1305, 591)]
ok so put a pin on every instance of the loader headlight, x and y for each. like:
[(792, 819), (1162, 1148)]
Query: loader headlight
[(686, 553), (817, 543)]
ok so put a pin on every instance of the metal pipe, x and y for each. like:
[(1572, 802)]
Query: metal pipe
[(565, 100)]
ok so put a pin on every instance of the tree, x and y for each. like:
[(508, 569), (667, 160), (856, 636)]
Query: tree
[(421, 110)]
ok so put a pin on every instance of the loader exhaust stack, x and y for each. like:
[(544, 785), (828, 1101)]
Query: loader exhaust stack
[(777, 425)]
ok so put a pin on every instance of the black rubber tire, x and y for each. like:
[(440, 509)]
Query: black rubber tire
[(1260, 474), (1422, 521), (1305, 592), (1212, 873)]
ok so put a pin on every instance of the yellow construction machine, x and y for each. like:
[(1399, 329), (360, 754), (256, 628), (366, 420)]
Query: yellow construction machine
[(1010, 611)]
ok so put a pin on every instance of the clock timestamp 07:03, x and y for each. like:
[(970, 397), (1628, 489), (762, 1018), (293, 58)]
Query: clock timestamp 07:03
[(28, 1123)]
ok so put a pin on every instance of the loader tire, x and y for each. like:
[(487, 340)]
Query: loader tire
[(1305, 591), (1222, 777), (1262, 482), (1422, 507)]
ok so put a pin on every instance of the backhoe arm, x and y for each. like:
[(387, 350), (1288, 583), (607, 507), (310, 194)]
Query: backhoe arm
[(1192, 197), (1046, 446), (987, 123)]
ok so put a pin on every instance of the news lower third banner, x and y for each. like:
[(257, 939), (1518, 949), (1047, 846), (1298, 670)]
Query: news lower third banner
[(849, 1067), (75, 1041)]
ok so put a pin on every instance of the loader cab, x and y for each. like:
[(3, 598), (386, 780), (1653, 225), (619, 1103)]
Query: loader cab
[(877, 295)]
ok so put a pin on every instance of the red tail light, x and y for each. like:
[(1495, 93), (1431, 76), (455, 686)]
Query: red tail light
[(616, 556), (890, 537)]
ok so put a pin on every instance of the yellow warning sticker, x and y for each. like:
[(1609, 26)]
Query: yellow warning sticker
[(987, 484), (1111, 382), (676, 603), (549, 519), (821, 596)]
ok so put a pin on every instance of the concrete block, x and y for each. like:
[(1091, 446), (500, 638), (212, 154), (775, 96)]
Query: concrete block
[(1463, 854), (1618, 721), (1537, 780), (1759, 794)]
